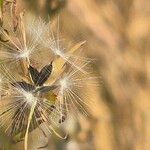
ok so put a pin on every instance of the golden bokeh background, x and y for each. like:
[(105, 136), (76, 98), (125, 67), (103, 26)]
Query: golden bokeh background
[(117, 38)]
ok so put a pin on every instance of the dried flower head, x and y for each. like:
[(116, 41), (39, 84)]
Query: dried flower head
[(41, 90)]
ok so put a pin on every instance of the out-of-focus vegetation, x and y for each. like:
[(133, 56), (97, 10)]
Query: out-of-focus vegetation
[(117, 34)]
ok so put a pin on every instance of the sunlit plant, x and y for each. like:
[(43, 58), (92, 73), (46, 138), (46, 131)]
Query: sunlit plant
[(39, 90)]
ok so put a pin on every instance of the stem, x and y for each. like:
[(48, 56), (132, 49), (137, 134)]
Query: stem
[(28, 125)]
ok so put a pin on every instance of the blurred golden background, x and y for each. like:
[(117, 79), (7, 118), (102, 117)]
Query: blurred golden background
[(117, 37)]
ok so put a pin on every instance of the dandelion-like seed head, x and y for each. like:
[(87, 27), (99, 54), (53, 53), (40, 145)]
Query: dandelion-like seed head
[(24, 54), (58, 52), (35, 99), (28, 97), (64, 84)]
